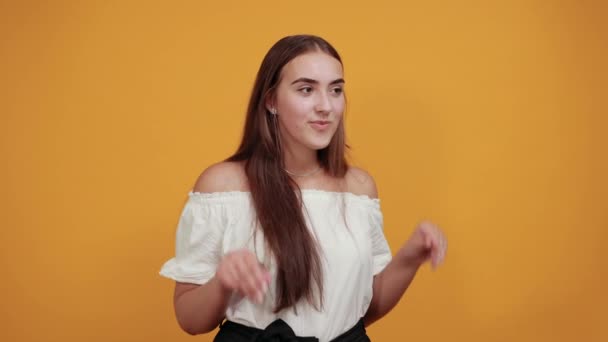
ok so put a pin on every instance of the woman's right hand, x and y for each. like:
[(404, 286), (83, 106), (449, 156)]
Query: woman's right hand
[(240, 271)]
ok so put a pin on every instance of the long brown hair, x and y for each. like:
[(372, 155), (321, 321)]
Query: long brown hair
[(276, 196)]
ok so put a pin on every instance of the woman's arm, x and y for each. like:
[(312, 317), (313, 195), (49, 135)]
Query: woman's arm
[(200, 308), (389, 286), (427, 242)]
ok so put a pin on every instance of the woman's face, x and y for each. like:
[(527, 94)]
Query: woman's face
[(309, 101)]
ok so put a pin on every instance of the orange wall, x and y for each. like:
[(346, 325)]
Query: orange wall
[(489, 119)]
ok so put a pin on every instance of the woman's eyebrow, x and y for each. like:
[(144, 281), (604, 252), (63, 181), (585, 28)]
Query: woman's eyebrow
[(311, 81)]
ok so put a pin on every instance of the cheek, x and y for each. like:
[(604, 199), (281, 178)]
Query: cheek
[(295, 109), (293, 123), (338, 105), (291, 119)]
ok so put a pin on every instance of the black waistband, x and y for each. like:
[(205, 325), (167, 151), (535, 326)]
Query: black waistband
[(279, 331)]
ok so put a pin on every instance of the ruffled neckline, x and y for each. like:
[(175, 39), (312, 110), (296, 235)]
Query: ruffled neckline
[(305, 192)]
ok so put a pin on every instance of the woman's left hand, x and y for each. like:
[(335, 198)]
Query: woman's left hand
[(427, 243)]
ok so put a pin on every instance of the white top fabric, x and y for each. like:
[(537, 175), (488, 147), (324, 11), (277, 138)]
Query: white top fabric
[(348, 228)]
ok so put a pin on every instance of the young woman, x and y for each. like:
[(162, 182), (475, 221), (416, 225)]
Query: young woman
[(284, 240)]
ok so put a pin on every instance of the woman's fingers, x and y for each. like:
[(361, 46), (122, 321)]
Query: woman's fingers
[(246, 280), (257, 278), (441, 246), (435, 242), (251, 279), (240, 271)]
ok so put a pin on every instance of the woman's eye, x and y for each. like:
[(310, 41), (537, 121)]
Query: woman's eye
[(306, 90), (337, 90)]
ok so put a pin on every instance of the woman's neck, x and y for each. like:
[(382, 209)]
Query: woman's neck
[(300, 162)]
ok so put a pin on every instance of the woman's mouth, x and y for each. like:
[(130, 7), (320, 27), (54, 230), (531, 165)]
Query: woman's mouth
[(320, 125)]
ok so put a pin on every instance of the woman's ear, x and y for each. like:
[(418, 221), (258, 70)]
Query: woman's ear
[(270, 103)]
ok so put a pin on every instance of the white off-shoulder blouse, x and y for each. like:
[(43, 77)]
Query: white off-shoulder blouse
[(347, 227)]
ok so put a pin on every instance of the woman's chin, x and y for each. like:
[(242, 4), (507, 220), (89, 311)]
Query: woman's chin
[(318, 145)]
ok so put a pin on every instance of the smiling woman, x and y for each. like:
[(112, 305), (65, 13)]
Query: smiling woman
[(284, 238), (310, 101)]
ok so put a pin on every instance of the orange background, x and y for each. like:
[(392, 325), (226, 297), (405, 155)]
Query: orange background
[(489, 118)]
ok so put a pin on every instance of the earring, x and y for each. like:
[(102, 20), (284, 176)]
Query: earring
[(273, 111)]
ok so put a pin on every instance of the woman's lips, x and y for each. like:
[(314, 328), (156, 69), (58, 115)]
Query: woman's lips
[(320, 125)]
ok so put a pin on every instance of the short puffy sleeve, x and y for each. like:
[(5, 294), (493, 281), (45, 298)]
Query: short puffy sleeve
[(198, 243), (381, 251)]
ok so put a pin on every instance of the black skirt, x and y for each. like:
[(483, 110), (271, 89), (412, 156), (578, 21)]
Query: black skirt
[(279, 331)]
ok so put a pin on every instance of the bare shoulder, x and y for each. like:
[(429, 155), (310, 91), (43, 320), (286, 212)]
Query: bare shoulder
[(360, 182), (221, 177)]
